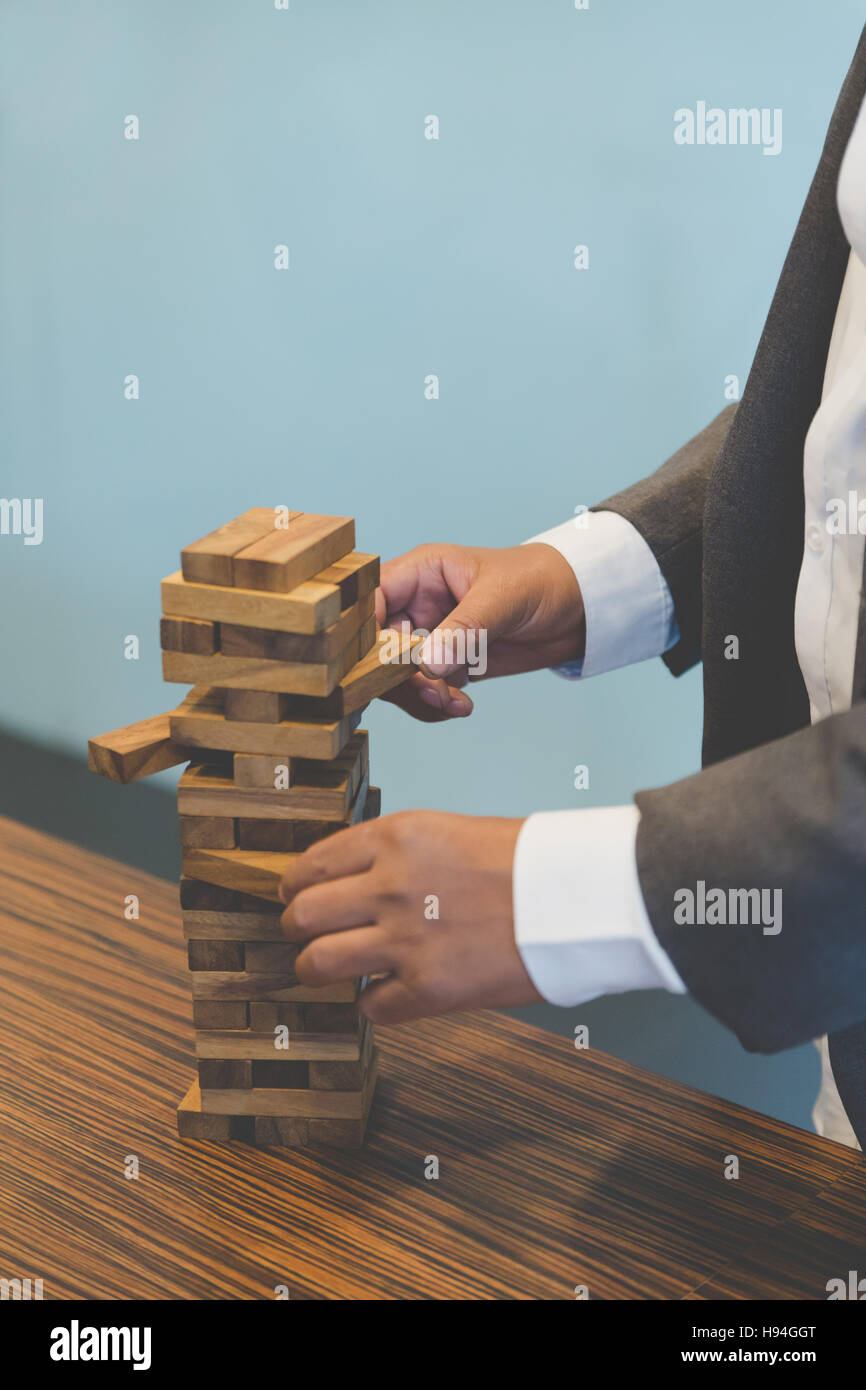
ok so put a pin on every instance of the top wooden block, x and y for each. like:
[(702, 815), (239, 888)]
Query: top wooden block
[(209, 560), (259, 551)]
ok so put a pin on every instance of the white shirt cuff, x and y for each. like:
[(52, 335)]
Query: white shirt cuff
[(579, 917), (628, 605)]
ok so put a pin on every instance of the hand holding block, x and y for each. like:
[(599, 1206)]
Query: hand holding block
[(137, 750), (385, 666)]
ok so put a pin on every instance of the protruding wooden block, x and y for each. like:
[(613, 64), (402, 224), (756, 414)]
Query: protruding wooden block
[(385, 666), (265, 643), (267, 770), (283, 559), (207, 832), (234, 926), (201, 722), (209, 560), (189, 635), (137, 750), (256, 874), (216, 955), (373, 804), (219, 1015), (225, 1075)]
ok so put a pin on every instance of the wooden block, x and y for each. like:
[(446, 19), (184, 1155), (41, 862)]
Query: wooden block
[(355, 575), (353, 761), (233, 926), (312, 607), (347, 1134), (274, 987), (383, 668), (281, 1071), (344, 1074), (192, 1123), (302, 1104), (209, 560), (331, 1018), (202, 721), (278, 836), (207, 832), (270, 956), (251, 673), (272, 1129), (137, 750), (265, 1017), (264, 643), (202, 791), (226, 1075), (206, 897), (283, 559), (207, 1013), (216, 955), (258, 706), (257, 874), (309, 832), (305, 1047), (189, 635), (368, 640), (266, 770), (373, 804)]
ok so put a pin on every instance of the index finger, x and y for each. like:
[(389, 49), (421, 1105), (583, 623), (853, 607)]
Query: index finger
[(349, 851)]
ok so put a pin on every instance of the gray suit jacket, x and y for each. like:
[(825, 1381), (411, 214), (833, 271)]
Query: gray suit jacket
[(778, 805)]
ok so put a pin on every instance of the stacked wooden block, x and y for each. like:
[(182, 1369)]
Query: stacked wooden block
[(271, 618)]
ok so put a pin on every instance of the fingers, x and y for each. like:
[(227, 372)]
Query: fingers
[(431, 702), (328, 907), (461, 639), (389, 1001), (347, 852), (344, 956)]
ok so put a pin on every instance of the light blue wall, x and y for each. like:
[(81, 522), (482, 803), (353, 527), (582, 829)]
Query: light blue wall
[(408, 257)]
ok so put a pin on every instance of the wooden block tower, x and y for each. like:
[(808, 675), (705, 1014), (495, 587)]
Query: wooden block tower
[(271, 620)]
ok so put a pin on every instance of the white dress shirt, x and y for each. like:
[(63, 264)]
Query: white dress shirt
[(580, 921)]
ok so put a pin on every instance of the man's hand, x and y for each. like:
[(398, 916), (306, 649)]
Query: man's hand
[(422, 897), (525, 597)]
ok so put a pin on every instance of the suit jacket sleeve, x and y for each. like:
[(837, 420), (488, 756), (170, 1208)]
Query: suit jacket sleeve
[(788, 818), (667, 508)]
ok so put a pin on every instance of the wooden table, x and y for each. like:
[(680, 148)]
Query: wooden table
[(557, 1167)]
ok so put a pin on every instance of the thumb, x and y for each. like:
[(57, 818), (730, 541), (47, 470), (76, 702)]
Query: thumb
[(460, 642)]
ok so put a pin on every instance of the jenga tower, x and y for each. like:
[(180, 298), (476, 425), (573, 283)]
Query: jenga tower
[(271, 619)]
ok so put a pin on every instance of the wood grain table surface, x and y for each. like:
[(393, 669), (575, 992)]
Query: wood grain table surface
[(557, 1167)]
